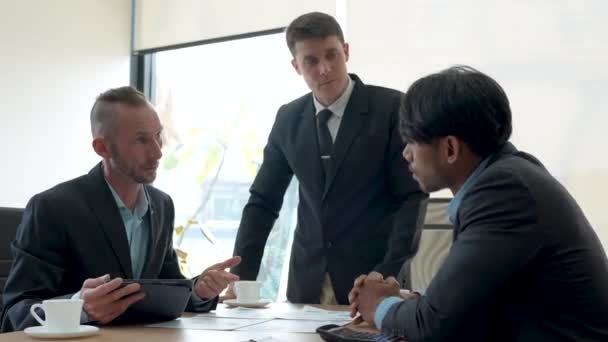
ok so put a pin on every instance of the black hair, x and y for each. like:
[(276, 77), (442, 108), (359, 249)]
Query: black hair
[(459, 101)]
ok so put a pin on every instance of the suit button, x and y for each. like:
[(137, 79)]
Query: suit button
[(328, 244)]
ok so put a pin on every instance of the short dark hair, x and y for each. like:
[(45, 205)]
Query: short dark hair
[(102, 113), (458, 101), (312, 25)]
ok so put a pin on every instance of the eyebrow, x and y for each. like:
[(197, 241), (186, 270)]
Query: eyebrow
[(146, 132), (333, 49)]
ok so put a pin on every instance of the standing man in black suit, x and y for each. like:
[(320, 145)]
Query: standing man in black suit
[(356, 213), (110, 223), (525, 264)]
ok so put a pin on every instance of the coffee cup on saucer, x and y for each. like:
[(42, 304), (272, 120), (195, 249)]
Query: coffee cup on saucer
[(61, 315), (247, 291)]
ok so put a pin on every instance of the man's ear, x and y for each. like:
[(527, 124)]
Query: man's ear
[(296, 66), (346, 51), (100, 147), (452, 148)]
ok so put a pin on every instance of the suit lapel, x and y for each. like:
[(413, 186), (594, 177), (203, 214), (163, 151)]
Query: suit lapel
[(104, 206), (352, 121)]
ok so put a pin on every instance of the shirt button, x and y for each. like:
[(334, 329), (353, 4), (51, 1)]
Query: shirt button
[(328, 244)]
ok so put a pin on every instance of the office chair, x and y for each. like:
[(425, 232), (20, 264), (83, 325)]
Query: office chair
[(434, 241), (9, 220)]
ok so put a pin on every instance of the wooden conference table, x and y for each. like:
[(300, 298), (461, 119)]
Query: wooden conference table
[(147, 334)]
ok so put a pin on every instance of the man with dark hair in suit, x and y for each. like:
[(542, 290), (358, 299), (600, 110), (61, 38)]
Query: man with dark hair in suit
[(80, 238), (525, 264), (356, 213)]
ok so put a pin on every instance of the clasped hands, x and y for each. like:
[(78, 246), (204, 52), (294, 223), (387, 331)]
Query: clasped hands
[(368, 292)]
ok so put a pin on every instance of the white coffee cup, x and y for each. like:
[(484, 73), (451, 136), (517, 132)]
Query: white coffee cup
[(61, 315), (247, 291)]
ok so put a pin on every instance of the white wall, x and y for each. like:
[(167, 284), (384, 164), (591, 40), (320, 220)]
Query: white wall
[(169, 22), (550, 56), (55, 58)]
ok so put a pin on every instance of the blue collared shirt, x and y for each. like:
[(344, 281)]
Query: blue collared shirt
[(137, 228), (386, 304)]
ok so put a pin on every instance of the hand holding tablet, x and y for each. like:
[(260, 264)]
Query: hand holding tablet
[(165, 299)]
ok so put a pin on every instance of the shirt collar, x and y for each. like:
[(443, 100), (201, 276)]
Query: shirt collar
[(455, 202), (141, 205), (339, 106)]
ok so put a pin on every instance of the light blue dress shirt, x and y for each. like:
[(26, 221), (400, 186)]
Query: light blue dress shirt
[(386, 304), (137, 228)]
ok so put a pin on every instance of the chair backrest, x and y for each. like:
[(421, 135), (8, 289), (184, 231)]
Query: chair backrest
[(9, 220), (434, 242)]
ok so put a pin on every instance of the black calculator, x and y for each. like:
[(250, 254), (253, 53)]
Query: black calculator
[(337, 333)]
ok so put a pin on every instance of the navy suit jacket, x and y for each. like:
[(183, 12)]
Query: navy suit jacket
[(362, 218), (525, 265), (73, 232)]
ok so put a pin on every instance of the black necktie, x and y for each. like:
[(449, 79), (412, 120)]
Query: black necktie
[(326, 144)]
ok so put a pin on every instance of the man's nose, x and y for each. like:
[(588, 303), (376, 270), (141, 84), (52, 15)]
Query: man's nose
[(157, 152), (324, 68)]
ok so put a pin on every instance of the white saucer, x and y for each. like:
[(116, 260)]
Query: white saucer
[(259, 304), (42, 332)]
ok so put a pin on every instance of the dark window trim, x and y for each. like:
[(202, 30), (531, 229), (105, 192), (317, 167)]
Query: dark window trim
[(142, 74)]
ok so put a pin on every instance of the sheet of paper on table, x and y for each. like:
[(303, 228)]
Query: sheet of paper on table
[(281, 312), (201, 322), (285, 326), (264, 338), (277, 318)]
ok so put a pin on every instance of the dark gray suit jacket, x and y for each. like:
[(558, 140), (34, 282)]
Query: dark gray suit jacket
[(525, 265), (363, 218), (73, 232)]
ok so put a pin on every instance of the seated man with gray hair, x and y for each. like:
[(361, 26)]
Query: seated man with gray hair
[(81, 238)]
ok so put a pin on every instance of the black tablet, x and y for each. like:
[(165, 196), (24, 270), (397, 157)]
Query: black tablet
[(168, 282), (165, 299)]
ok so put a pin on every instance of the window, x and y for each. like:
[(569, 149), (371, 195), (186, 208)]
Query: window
[(217, 103)]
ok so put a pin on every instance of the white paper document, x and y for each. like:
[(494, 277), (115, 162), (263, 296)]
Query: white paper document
[(285, 326), (201, 322), (241, 312), (282, 312), (277, 318), (265, 338), (324, 315)]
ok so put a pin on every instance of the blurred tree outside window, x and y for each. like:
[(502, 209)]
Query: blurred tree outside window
[(217, 104)]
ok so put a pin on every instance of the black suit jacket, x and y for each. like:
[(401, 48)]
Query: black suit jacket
[(362, 218), (73, 232), (525, 265)]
